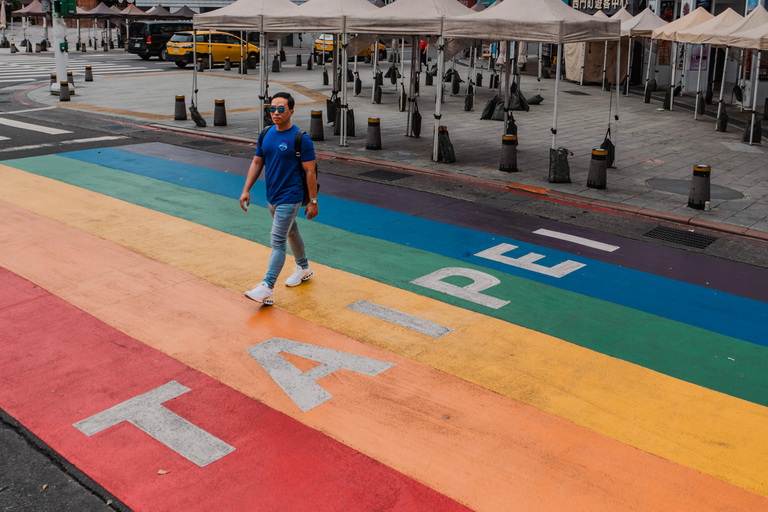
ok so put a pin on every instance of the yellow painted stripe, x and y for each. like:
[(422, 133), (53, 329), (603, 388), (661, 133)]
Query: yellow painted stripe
[(714, 433)]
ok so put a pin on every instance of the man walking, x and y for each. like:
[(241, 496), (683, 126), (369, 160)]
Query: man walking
[(277, 155)]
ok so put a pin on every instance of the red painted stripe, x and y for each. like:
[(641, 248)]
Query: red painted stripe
[(60, 365)]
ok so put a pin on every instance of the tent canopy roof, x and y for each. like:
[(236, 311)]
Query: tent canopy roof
[(755, 38), (327, 15), (757, 18), (132, 12), (35, 8), (642, 25), (101, 11), (183, 12), (601, 15), (702, 33), (622, 15), (545, 21), (407, 17), (250, 15), (669, 31), (159, 11)]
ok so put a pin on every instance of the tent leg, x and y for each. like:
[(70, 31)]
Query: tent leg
[(672, 79), (402, 60), (344, 106), (755, 71), (439, 95), (629, 65), (375, 61), (262, 90), (616, 118), (194, 69), (722, 84), (557, 94), (507, 84), (605, 65), (583, 60), (414, 56), (741, 74), (335, 63), (698, 86), (648, 69)]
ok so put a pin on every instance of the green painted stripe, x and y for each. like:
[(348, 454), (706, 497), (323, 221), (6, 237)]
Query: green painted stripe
[(679, 350)]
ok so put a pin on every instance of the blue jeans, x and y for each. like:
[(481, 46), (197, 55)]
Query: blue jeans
[(284, 227)]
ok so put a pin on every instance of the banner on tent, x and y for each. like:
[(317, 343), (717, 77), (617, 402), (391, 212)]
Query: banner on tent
[(609, 7)]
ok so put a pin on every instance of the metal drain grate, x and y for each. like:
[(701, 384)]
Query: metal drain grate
[(680, 236), (577, 93), (382, 175)]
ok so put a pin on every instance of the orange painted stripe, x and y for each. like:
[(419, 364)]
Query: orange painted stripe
[(482, 449)]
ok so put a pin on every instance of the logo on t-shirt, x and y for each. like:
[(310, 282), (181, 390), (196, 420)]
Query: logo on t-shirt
[(283, 145)]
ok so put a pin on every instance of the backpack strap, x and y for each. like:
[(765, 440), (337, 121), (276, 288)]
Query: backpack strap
[(297, 144), (261, 137)]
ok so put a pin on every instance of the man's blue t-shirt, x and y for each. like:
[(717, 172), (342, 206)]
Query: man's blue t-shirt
[(281, 167)]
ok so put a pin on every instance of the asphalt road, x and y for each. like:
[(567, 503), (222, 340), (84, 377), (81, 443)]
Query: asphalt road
[(34, 477)]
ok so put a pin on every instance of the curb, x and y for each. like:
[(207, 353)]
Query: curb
[(517, 188)]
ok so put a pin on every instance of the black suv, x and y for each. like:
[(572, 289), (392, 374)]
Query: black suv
[(148, 38)]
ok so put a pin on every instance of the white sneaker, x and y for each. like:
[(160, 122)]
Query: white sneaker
[(262, 294), (299, 276)]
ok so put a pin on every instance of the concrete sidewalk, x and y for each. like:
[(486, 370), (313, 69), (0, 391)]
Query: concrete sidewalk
[(656, 149)]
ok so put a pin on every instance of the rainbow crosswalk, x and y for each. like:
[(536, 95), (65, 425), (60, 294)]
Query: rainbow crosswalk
[(563, 380)]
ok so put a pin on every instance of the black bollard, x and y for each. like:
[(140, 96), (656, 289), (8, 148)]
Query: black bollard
[(316, 125), (180, 112), (89, 74), (373, 138), (63, 91), (70, 77), (200, 66), (82, 48), (53, 78), (37, 47), (227, 64), (219, 113), (698, 196), (298, 60), (597, 174), (508, 153), (310, 63)]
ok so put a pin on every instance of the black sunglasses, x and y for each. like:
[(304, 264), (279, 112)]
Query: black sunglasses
[(280, 109)]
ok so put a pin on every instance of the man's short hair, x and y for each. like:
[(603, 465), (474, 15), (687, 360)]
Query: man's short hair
[(287, 96)]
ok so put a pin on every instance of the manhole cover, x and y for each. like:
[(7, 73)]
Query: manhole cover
[(577, 93), (203, 143), (681, 237), (382, 175), (683, 187)]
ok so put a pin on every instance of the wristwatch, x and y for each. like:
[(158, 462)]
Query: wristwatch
[(313, 201)]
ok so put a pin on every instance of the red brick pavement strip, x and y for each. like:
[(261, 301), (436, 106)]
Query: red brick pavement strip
[(518, 188)]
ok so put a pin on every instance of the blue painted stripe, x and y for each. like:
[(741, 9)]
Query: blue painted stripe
[(713, 310)]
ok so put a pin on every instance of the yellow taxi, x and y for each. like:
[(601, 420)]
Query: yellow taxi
[(210, 44), (324, 44)]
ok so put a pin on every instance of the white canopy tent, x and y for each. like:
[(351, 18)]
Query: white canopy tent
[(702, 34), (407, 18), (536, 21), (669, 32), (641, 25), (262, 16), (330, 16), (753, 38), (584, 64)]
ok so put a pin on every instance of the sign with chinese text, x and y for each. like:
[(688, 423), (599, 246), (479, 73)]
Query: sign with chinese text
[(609, 7)]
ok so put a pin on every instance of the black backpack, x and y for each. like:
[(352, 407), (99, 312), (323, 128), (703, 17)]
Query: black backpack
[(297, 149)]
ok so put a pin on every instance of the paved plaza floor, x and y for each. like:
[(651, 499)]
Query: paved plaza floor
[(657, 149)]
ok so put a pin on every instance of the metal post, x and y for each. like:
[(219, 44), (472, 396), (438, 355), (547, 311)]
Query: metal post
[(616, 131), (210, 51), (336, 63), (605, 64), (648, 69), (439, 95), (557, 92), (375, 66), (583, 60), (507, 54), (540, 57), (755, 71), (698, 85), (414, 43), (402, 59), (629, 64), (262, 78), (741, 74), (722, 84), (672, 78), (344, 106)]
